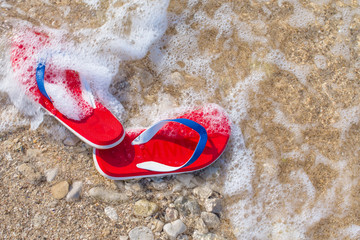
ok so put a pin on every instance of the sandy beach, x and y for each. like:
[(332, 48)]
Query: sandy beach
[(285, 71)]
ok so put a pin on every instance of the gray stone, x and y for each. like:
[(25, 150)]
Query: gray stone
[(185, 179), (71, 140), (107, 195), (30, 174), (180, 205), (171, 214), (123, 238), (208, 236), (183, 237), (187, 206), (111, 213), (133, 187), (75, 190), (174, 229), (213, 205), (211, 173), (120, 184), (202, 192), (145, 208), (157, 225), (160, 186), (60, 190), (193, 207), (51, 174), (141, 233), (201, 226), (177, 187), (199, 181), (210, 219)]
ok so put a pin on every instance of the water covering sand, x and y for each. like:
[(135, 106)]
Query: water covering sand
[(286, 71)]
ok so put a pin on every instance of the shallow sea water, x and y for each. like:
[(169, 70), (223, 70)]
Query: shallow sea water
[(287, 72)]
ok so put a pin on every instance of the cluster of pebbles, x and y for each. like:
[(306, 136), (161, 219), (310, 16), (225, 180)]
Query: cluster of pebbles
[(184, 206)]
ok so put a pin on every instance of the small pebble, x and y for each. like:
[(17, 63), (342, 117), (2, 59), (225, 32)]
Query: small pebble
[(75, 190), (160, 186), (71, 140), (192, 207), (202, 192), (177, 187), (211, 173), (123, 238), (134, 187), (51, 174), (183, 237), (111, 213), (171, 214), (186, 180), (208, 236), (174, 229), (30, 174), (187, 207), (60, 190), (213, 205), (107, 195), (141, 233), (120, 184), (201, 226), (210, 219), (158, 225), (145, 208), (199, 181)]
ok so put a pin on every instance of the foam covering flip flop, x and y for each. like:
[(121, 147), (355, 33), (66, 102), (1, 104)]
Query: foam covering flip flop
[(187, 143), (97, 126)]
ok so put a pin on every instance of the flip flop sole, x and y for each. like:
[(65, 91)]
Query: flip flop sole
[(100, 129), (173, 145)]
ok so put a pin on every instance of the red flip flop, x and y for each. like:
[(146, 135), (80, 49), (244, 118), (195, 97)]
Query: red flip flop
[(190, 142), (94, 124)]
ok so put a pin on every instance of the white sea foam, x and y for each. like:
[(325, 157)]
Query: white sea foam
[(129, 32), (10, 118), (300, 71)]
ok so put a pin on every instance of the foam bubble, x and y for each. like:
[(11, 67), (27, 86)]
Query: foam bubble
[(301, 17), (341, 49), (320, 61), (320, 2), (92, 3)]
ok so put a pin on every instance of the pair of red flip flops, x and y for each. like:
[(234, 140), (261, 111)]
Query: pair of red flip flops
[(188, 142)]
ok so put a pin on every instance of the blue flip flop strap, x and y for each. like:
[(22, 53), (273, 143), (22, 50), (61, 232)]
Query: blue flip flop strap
[(148, 134), (40, 73)]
